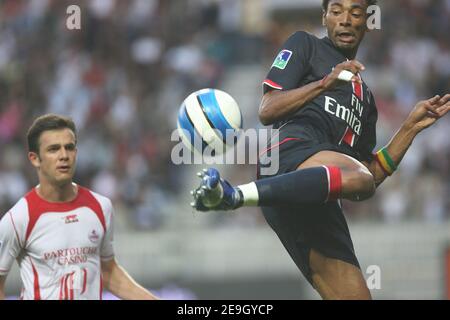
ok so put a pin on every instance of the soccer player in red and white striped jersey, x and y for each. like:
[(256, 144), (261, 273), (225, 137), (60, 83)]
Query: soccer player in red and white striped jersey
[(60, 233)]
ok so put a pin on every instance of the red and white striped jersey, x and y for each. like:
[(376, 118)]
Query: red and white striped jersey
[(58, 246)]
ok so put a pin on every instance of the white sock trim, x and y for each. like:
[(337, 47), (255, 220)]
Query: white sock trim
[(250, 193)]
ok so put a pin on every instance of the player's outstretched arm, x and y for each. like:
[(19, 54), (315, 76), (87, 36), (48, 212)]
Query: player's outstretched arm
[(276, 105), (119, 282), (424, 115)]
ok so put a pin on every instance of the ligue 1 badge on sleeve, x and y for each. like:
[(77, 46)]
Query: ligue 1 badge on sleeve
[(282, 59)]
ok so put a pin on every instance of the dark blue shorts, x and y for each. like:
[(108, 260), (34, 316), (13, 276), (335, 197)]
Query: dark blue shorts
[(321, 227)]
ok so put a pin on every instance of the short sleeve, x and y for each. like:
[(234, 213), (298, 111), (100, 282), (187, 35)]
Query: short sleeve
[(107, 248), (291, 64), (368, 140), (10, 246)]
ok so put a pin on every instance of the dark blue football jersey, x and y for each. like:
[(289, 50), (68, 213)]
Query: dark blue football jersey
[(347, 114)]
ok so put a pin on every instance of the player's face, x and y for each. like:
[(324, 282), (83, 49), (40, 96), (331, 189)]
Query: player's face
[(346, 21), (57, 156)]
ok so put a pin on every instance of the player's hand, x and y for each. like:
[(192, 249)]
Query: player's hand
[(335, 78), (427, 112)]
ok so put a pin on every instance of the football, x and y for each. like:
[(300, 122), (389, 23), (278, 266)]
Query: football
[(209, 120)]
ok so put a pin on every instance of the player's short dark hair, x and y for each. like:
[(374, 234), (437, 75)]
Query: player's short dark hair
[(326, 2), (46, 123)]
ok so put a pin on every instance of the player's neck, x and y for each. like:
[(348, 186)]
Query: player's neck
[(57, 193), (350, 54)]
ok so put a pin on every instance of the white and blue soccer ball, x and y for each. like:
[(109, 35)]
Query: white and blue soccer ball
[(209, 119)]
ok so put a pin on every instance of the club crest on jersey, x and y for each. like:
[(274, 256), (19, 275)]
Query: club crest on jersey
[(282, 59), (94, 236), (71, 219)]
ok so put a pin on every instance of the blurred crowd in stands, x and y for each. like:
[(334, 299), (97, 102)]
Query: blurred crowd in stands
[(123, 76)]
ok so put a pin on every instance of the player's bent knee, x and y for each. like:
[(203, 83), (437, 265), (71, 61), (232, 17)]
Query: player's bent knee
[(359, 185), (366, 185)]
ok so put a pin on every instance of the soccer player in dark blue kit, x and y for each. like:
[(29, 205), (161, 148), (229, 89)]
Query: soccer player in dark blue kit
[(326, 116)]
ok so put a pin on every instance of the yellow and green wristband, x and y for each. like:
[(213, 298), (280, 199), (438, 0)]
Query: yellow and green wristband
[(385, 161)]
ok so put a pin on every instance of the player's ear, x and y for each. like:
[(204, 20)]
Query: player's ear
[(34, 159), (324, 18), (367, 27)]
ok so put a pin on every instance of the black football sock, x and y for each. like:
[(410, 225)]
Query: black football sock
[(312, 185)]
